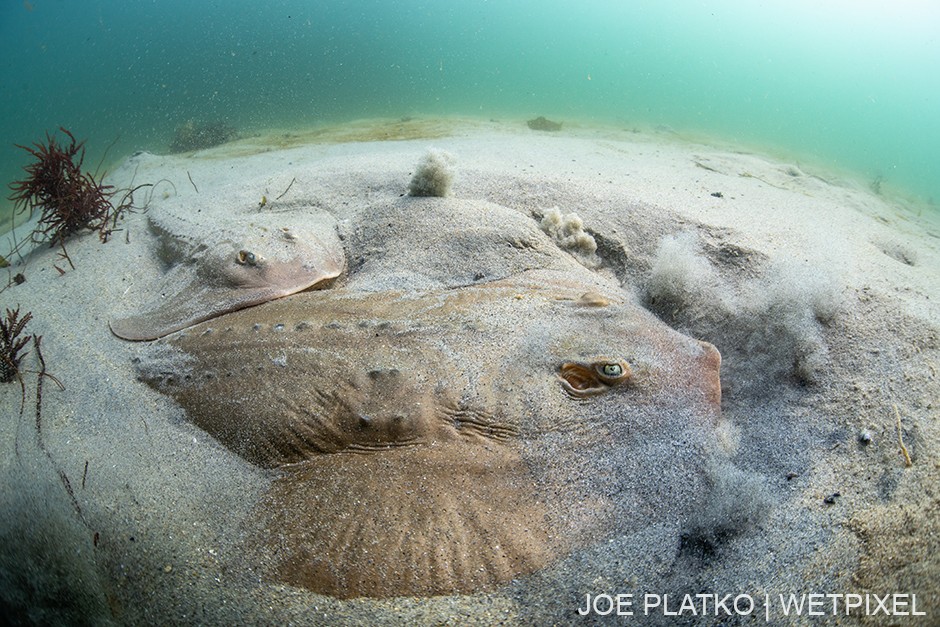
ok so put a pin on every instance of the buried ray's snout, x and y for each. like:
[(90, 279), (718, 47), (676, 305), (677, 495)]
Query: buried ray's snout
[(699, 375), (711, 362)]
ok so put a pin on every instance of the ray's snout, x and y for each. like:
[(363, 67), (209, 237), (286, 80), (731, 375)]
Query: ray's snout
[(711, 366)]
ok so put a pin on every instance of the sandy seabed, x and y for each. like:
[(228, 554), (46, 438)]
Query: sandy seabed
[(822, 297)]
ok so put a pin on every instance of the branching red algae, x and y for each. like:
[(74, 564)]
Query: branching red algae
[(11, 344), (70, 200)]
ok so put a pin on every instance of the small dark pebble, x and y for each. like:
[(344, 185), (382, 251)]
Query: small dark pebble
[(18, 278), (831, 499), (792, 475), (542, 124), (718, 195)]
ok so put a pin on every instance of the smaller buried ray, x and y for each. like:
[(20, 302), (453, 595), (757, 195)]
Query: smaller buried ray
[(234, 262)]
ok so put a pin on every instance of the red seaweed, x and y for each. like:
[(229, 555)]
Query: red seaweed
[(70, 200), (11, 344)]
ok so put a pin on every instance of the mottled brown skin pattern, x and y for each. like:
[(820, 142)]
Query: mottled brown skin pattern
[(409, 450)]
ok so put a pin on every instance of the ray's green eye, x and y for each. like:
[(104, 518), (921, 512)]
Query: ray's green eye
[(612, 370), (246, 258)]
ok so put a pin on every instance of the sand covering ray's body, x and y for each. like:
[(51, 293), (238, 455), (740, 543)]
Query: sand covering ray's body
[(163, 523), (416, 460)]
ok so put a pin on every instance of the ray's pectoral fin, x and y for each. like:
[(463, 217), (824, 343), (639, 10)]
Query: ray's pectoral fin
[(415, 521), (229, 278)]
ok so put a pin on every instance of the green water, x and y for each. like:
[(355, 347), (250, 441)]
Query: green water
[(848, 85)]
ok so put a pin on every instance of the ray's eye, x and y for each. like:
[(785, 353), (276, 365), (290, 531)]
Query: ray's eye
[(246, 258), (589, 379)]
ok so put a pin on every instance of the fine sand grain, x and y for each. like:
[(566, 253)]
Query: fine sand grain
[(823, 299)]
